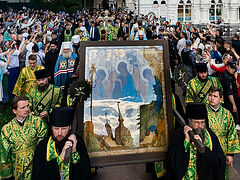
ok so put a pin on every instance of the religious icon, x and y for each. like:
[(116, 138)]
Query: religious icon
[(127, 111)]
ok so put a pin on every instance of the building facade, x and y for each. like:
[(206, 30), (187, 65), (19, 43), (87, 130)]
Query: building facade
[(195, 11)]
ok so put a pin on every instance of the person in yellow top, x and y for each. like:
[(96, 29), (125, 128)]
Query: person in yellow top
[(26, 79)]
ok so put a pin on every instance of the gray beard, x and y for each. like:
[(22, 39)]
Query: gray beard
[(67, 55)]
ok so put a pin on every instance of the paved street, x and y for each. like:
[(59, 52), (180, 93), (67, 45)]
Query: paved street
[(138, 172), (235, 172)]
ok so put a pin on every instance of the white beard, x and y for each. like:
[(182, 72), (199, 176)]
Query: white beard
[(67, 55)]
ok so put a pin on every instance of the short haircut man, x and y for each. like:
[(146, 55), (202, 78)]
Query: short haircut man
[(32, 57), (18, 140), (221, 122), (26, 79)]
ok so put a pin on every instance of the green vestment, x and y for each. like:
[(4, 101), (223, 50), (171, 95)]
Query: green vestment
[(109, 31), (222, 124), (63, 168), (45, 101), (197, 91), (191, 173), (100, 28), (115, 32), (17, 145)]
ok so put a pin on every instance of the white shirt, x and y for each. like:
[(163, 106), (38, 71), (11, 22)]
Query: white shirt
[(14, 60), (92, 32), (181, 45)]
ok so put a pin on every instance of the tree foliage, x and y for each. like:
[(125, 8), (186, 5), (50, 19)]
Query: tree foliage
[(62, 5), (105, 4)]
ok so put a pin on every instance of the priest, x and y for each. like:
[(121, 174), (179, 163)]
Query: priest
[(18, 140), (65, 64), (198, 87), (26, 79), (222, 124), (185, 162), (48, 161), (45, 96)]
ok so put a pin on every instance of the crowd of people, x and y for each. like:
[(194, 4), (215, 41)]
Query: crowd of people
[(39, 54)]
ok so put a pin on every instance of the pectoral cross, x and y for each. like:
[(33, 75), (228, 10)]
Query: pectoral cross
[(181, 75), (40, 107), (201, 95)]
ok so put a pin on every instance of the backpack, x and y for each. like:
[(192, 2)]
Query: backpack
[(186, 57)]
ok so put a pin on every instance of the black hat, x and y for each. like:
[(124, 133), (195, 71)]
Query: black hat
[(54, 42), (232, 65), (40, 74), (61, 117), (196, 111), (201, 67)]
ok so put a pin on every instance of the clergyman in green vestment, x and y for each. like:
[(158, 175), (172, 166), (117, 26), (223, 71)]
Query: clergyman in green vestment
[(18, 140), (45, 96), (222, 124), (185, 161), (198, 87)]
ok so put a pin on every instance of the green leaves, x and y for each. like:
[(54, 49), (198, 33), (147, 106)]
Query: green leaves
[(69, 6)]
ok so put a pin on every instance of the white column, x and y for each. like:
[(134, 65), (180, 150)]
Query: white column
[(172, 13), (195, 13), (204, 11), (233, 12), (225, 11)]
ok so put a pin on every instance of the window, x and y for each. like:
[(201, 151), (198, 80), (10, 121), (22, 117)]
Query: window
[(239, 13), (155, 2), (219, 11), (163, 2), (215, 11), (212, 12), (180, 12), (188, 13), (184, 11)]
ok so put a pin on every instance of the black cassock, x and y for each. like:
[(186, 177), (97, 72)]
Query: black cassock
[(210, 166), (43, 170)]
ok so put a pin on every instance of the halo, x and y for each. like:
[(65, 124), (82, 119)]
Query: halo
[(106, 72), (127, 63), (142, 69)]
